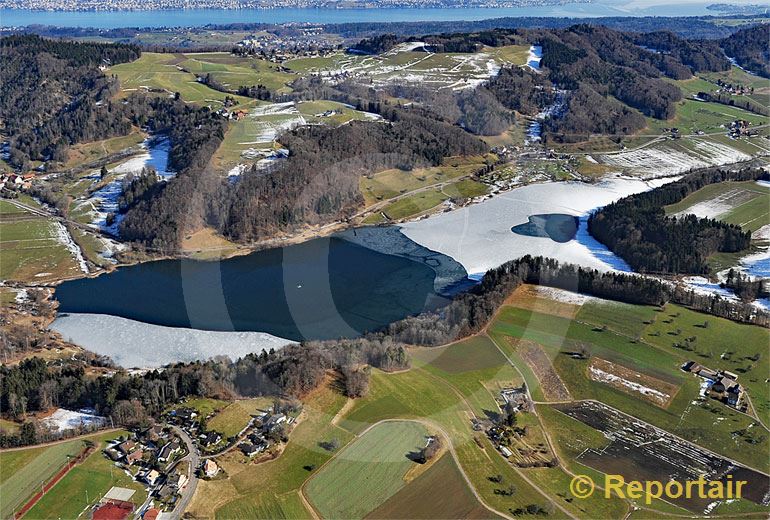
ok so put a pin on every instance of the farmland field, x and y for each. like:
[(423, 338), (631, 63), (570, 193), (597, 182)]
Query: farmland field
[(743, 203), (368, 471), (162, 72), (32, 247), (412, 501), (654, 356), (391, 183)]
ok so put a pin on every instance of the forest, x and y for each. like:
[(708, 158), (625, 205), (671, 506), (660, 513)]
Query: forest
[(73, 107), (750, 49), (637, 229)]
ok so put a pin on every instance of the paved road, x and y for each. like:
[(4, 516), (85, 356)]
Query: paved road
[(193, 457)]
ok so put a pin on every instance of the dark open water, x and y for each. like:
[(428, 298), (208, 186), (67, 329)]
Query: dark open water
[(322, 289)]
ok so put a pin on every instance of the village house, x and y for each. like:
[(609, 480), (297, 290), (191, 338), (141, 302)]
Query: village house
[(177, 480), (209, 468), (210, 438), (134, 456), (168, 451), (151, 477), (251, 450)]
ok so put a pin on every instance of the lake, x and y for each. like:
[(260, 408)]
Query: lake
[(200, 17), (322, 289)]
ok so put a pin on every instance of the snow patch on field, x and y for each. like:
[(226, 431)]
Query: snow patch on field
[(762, 233), (65, 238), (118, 338), (62, 420), (597, 374), (719, 205), (560, 295), (663, 160)]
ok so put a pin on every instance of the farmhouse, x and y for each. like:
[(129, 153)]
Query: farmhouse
[(722, 385)]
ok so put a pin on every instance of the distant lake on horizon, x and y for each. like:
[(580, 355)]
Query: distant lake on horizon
[(325, 288), (201, 17)]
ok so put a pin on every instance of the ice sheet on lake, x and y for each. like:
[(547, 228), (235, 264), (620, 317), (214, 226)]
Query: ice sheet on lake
[(480, 238), (136, 344)]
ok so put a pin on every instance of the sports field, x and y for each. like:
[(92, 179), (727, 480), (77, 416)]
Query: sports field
[(368, 471), (85, 484), (23, 472)]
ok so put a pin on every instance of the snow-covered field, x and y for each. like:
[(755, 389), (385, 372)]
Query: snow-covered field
[(480, 237), (63, 419), (135, 344), (535, 57), (719, 205), (454, 71), (105, 200), (660, 160)]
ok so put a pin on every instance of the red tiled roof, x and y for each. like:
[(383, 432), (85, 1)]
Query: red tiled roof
[(114, 510), (151, 514)]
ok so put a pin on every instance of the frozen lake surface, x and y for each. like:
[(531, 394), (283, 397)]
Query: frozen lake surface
[(479, 236), (133, 343)]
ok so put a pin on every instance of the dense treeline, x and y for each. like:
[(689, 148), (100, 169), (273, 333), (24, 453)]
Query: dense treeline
[(318, 182), (746, 288), (521, 90), (612, 77), (163, 213), (470, 312), (637, 229), (750, 49), (131, 400), (588, 112), (54, 95)]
